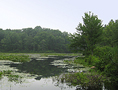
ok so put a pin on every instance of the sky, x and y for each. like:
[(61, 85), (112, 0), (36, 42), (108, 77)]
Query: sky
[(64, 15)]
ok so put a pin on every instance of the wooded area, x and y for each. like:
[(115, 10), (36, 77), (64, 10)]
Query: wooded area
[(33, 40)]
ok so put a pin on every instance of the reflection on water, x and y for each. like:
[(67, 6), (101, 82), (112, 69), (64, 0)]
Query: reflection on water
[(39, 74), (41, 69), (32, 84)]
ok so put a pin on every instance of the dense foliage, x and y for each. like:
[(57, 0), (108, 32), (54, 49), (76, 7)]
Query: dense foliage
[(33, 40), (101, 41)]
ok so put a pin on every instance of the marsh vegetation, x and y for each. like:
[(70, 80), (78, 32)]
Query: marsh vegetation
[(94, 64)]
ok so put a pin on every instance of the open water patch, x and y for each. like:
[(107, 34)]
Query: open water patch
[(44, 67)]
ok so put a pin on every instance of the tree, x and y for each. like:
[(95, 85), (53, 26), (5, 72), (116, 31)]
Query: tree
[(115, 34), (110, 34), (88, 34)]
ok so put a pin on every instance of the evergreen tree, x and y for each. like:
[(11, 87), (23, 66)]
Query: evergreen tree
[(88, 34)]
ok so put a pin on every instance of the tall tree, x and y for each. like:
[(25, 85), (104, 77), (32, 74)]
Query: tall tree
[(108, 34), (88, 34)]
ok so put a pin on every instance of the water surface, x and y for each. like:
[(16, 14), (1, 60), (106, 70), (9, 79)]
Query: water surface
[(40, 73)]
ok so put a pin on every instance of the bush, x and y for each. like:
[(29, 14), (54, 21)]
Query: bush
[(92, 60), (84, 80), (108, 61), (111, 69)]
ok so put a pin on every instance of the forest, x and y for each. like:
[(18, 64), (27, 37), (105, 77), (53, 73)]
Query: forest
[(35, 40)]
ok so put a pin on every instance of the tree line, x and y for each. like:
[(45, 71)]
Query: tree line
[(33, 40)]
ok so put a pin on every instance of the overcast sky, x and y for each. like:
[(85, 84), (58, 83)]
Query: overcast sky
[(64, 15)]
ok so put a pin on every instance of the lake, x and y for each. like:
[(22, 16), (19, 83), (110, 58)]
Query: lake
[(39, 74)]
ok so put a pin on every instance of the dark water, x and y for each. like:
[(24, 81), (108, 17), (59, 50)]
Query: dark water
[(41, 76)]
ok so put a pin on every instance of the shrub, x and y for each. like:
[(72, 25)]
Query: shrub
[(84, 80), (111, 69), (105, 56), (92, 60), (108, 61)]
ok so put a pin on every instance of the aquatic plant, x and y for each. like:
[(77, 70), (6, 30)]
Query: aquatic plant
[(14, 57), (11, 77), (60, 54)]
